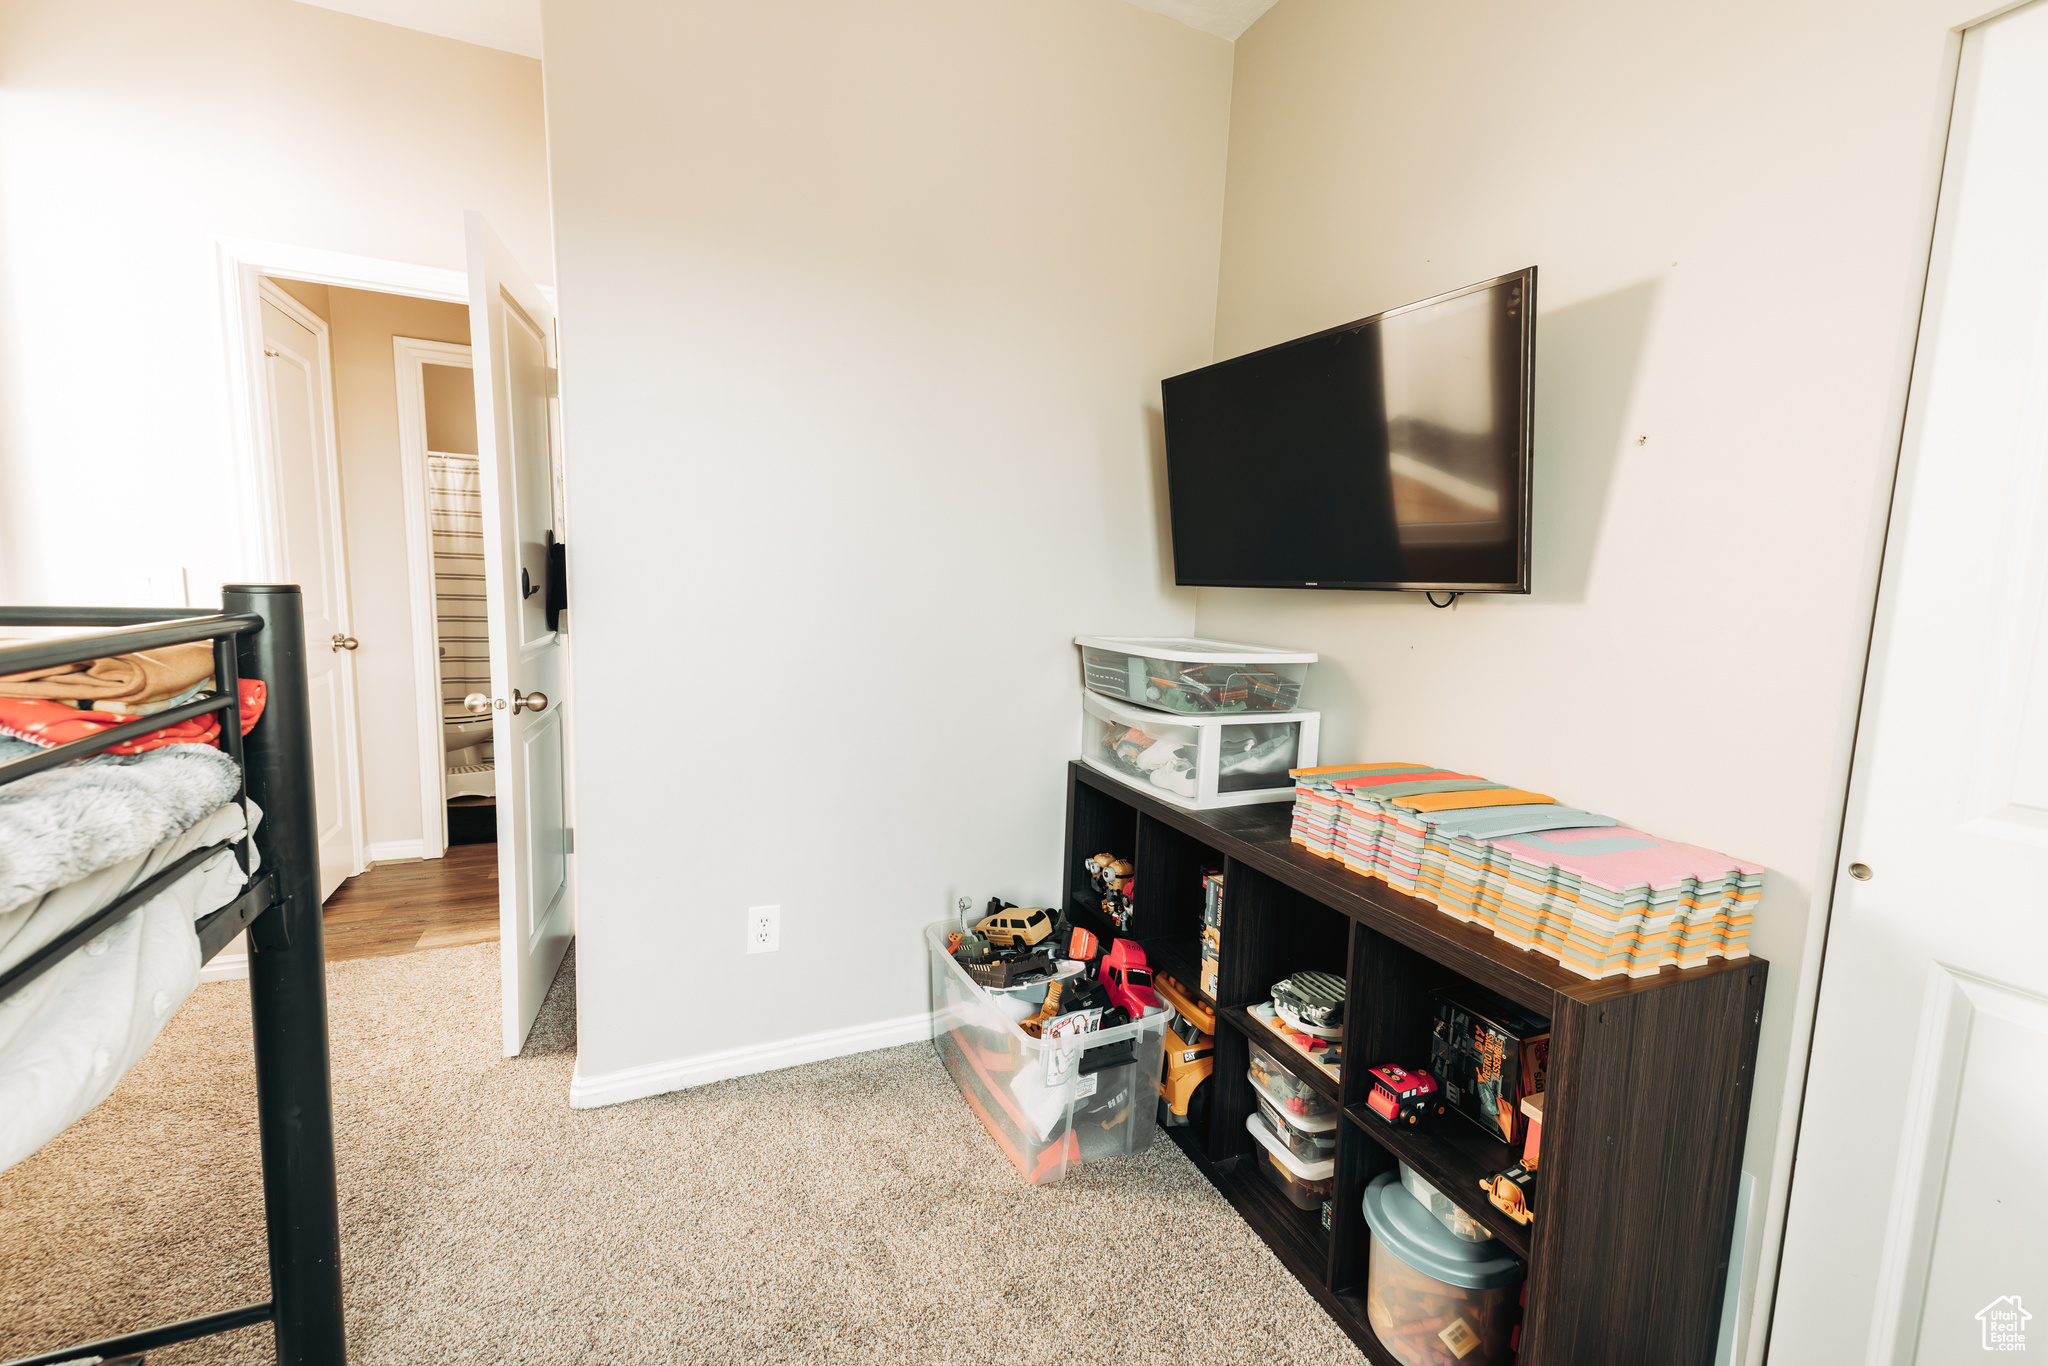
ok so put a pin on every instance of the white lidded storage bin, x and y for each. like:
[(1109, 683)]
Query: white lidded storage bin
[(1305, 1184), (1199, 761), (1049, 1104), (1193, 676), (1312, 1138)]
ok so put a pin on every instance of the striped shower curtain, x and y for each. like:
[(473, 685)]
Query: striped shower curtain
[(455, 503)]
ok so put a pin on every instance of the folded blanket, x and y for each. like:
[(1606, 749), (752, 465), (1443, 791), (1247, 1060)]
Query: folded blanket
[(60, 826), (117, 678), (47, 723)]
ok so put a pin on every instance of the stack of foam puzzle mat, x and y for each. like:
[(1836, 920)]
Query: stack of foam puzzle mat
[(1602, 899)]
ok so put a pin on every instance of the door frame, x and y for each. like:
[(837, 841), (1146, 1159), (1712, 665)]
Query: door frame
[(241, 264), (330, 472), (410, 355)]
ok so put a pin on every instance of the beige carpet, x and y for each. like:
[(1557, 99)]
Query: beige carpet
[(847, 1211)]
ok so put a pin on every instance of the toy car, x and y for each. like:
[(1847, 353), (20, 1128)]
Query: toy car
[(1015, 927), (1127, 978), (1400, 1096), (1508, 1192)]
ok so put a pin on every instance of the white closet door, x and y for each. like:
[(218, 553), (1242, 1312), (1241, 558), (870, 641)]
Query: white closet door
[(1918, 1227), (309, 491)]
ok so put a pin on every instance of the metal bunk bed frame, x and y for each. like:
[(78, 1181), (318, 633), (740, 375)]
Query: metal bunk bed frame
[(258, 633)]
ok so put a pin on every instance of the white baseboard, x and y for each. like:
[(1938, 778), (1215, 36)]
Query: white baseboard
[(386, 851), (676, 1074), (226, 966)]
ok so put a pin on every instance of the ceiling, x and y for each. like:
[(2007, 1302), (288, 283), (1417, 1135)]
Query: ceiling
[(514, 25), (508, 25), (1224, 18)]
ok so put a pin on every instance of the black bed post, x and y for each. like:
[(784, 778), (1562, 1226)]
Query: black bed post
[(288, 991)]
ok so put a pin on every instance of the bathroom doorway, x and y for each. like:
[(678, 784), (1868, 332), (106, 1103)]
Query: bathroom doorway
[(410, 524), (438, 452)]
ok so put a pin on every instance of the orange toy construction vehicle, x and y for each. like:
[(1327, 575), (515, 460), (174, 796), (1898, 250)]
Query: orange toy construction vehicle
[(1192, 1008), (1035, 1026), (1188, 1047), (1189, 1060), (1508, 1192)]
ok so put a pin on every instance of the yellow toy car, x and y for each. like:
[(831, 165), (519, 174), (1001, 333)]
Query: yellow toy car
[(1015, 927)]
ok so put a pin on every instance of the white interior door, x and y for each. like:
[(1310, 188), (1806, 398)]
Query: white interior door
[(1918, 1225), (511, 332), (300, 429)]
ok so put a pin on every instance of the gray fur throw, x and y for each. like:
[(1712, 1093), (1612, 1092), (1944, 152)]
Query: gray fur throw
[(62, 825)]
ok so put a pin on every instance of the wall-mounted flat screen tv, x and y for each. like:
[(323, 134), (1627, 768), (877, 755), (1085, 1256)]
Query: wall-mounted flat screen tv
[(1391, 453)]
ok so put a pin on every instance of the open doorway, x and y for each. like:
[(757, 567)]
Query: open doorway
[(369, 422), (368, 529)]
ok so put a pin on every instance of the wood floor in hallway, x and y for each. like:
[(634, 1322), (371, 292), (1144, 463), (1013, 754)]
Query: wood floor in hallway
[(416, 904)]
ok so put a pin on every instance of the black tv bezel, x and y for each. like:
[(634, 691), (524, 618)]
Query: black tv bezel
[(1527, 275)]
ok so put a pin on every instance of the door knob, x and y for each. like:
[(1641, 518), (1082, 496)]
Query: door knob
[(478, 704), (342, 642), (533, 701)]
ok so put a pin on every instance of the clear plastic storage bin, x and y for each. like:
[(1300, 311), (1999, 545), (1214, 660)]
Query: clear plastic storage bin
[(1048, 1103), (1198, 761), (1312, 1138), (1284, 1089), (1193, 677), (1435, 1300), (1305, 1184)]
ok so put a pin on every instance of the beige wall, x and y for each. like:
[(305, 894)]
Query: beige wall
[(132, 133), (1730, 208), (373, 506), (312, 295), (451, 409), (864, 310)]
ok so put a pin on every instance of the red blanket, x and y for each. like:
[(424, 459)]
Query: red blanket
[(52, 723)]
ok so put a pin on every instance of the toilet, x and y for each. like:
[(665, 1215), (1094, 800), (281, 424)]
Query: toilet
[(467, 740)]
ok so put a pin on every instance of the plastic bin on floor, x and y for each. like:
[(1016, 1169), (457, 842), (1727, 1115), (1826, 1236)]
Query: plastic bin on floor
[(1192, 676), (1433, 1298), (1048, 1104), (1199, 761)]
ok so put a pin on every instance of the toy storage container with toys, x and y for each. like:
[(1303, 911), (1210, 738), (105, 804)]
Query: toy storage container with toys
[(1433, 1298), (1199, 761), (1305, 1184), (1049, 1104), (1312, 1138), (1278, 1084), (1193, 677)]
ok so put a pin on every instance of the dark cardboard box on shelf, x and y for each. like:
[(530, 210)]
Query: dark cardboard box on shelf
[(1489, 1053)]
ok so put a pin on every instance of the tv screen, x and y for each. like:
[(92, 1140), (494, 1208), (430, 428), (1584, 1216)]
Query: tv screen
[(1392, 452)]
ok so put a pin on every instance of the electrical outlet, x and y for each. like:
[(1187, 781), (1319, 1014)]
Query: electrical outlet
[(764, 929)]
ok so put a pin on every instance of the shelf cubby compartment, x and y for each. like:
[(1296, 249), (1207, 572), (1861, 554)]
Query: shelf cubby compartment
[(1097, 822)]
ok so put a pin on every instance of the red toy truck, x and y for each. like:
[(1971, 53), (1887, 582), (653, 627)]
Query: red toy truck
[(1400, 1096), (1127, 978)]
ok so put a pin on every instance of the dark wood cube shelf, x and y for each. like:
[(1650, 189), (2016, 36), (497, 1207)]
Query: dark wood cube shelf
[(1646, 1105)]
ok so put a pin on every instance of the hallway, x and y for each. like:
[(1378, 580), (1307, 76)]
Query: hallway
[(417, 904)]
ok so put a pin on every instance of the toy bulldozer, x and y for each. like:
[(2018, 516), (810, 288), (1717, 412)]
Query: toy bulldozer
[(1188, 1054)]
